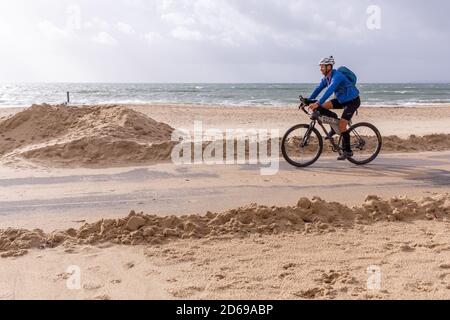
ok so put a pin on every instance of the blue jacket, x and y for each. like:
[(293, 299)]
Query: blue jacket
[(338, 84)]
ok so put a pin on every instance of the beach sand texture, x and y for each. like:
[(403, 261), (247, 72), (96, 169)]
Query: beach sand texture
[(109, 135), (218, 245)]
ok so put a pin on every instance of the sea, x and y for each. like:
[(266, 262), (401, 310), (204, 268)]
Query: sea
[(226, 94)]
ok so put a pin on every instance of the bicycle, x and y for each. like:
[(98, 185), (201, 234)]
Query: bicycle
[(305, 140)]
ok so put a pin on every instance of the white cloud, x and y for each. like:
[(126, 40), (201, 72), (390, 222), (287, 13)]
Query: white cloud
[(76, 26), (251, 40), (73, 24), (125, 28), (218, 21), (185, 34), (96, 23), (152, 37), (51, 31), (178, 19), (226, 23), (74, 18), (105, 38), (134, 3)]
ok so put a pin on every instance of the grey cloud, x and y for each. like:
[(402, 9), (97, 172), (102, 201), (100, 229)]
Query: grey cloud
[(222, 41)]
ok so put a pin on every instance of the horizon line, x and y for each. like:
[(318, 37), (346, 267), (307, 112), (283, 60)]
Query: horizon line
[(207, 83)]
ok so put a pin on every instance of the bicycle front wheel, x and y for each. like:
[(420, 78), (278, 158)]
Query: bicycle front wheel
[(366, 142), (302, 145)]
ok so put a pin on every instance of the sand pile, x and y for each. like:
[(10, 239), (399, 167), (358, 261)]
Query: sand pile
[(432, 142), (307, 216), (57, 135), (393, 144), (86, 135), (390, 144)]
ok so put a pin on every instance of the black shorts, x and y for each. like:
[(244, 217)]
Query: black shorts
[(349, 107)]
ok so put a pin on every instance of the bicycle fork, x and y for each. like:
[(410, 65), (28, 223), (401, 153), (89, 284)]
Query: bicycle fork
[(305, 139)]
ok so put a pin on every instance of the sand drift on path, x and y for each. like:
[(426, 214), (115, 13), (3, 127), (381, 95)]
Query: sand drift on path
[(307, 216), (88, 135), (113, 135)]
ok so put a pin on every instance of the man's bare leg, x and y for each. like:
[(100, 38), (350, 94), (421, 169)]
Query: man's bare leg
[(343, 125), (328, 105)]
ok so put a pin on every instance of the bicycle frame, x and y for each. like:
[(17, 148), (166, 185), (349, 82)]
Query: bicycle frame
[(312, 125), (304, 103)]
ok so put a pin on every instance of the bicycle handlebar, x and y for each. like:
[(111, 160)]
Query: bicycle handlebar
[(304, 102)]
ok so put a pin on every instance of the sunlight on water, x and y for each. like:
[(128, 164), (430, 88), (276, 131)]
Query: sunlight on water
[(216, 94)]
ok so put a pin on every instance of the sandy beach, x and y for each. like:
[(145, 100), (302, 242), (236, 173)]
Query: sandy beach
[(181, 153), (93, 187), (399, 121), (390, 120)]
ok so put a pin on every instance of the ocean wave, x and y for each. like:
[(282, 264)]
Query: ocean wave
[(404, 92), (213, 94)]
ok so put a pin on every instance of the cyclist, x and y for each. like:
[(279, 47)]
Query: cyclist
[(347, 98)]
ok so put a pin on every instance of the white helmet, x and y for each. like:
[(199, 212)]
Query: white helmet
[(329, 60)]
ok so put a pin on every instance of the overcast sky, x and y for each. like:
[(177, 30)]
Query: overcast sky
[(222, 40)]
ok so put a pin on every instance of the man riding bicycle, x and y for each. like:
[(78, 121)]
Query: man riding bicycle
[(347, 98)]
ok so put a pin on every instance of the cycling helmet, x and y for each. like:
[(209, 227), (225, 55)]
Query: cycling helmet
[(329, 60)]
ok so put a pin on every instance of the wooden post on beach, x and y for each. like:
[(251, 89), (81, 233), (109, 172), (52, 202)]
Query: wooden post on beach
[(68, 97)]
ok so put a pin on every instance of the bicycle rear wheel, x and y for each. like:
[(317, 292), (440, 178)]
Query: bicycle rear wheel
[(302, 145), (366, 143)]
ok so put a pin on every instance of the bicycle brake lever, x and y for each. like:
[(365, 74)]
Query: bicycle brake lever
[(303, 109)]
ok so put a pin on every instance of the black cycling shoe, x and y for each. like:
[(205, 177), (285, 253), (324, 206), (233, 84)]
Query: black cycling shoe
[(345, 155)]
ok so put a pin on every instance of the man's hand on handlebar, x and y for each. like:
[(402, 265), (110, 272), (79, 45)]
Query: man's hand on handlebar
[(307, 103), (313, 106)]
